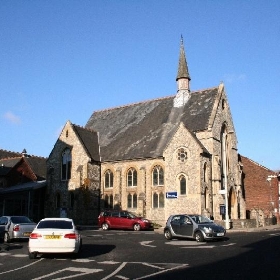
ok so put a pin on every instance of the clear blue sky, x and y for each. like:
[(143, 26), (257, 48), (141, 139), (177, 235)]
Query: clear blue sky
[(63, 59)]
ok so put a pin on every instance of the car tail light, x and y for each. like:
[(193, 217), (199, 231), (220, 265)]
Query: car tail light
[(35, 235), (16, 228), (71, 235)]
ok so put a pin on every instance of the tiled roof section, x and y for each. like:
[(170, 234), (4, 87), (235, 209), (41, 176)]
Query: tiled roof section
[(8, 154), (38, 166), (142, 130), (89, 139), (198, 109), (7, 164)]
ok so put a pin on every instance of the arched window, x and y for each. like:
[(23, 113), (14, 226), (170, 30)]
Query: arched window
[(57, 200), (109, 178), (72, 199), (155, 200), (132, 200), (183, 185), (158, 176), (158, 200), (161, 200), (205, 173), (66, 160), (131, 178), (108, 201)]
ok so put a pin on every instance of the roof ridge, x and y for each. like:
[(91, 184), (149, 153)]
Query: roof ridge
[(201, 90), (256, 163), (85, 128), (135, 103)]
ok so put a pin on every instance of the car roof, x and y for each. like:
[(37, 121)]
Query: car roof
[(57, 219)]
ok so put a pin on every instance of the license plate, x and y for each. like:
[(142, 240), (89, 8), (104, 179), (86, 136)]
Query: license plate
[(52, 236), (220, 234), (26, 234)]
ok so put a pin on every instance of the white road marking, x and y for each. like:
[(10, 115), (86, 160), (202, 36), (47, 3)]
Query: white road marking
[(200, 247), (146, 243), (82, 272), (4, 272), (185, 243), (230, 244), (83, 260), (116, 271), (274, 234), (108, 262)]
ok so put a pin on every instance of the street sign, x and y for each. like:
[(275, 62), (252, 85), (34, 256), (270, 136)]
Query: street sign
[(171, 195)]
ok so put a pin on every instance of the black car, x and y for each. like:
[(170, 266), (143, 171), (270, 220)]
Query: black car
[(195, 226)]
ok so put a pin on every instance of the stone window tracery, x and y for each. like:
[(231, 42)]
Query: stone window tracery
[(132, 178), (182, 154), (109, 179), (158, 176), (66, 163)]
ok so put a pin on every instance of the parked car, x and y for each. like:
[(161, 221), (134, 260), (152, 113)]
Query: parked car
[(54, 235), (16, 227), (193, 226), (114, 219)]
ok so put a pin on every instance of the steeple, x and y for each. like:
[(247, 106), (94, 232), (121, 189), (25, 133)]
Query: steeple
[(183, 79), (183, 76)]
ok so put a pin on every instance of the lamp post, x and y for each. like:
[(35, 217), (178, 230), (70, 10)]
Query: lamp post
[(269, 177)]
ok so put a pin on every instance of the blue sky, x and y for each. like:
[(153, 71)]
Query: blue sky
[(63, 59)]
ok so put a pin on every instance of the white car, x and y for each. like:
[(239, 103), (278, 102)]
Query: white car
[(54, 235)]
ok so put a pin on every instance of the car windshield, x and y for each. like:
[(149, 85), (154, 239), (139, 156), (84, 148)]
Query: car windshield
[(131, 215), (21, 220), (55, 224), (201, 219)]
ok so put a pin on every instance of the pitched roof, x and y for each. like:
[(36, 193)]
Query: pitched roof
[(37, 165), (142, 130), (8, 154), (89, 139)]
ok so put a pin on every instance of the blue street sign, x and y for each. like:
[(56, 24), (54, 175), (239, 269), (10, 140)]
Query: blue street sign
[(171, 195)]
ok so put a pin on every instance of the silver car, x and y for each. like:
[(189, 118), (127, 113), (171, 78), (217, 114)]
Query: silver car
[(16, 227), (197, 227)]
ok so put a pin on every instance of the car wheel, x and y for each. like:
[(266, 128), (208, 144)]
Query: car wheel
[(105, 226), (167, 234), (199, 236), (136, 227), (32, 255), (7, 238)]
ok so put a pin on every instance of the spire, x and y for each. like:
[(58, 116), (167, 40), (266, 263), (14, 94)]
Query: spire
[(183, 79), (183, 71)]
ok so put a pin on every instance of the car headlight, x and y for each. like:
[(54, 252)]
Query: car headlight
[(145, 220), (207, 229)]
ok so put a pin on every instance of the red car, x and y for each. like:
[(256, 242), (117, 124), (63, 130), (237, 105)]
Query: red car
[(118, 219)]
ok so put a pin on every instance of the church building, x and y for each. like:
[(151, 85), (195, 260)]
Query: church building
[(175, 154)]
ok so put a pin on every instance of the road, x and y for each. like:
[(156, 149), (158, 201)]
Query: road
[(147, 255)]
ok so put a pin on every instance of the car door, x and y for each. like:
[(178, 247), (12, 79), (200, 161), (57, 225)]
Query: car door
[(125, 220), (2, 228), (175, 224), (186, 226)]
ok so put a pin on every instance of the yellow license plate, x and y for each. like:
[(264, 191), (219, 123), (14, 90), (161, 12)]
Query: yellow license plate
[(52, 236), (26, 234)]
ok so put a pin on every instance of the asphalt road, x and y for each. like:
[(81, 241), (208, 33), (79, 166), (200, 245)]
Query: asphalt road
[(147, 255)]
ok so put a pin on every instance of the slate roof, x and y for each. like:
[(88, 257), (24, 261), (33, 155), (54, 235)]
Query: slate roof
[(8, 154), (37, 164), (143, 130), (89, 139)]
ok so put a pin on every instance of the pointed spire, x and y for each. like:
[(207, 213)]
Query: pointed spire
[(183, 71)]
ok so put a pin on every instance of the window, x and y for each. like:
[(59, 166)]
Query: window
[(132, 201), (158, 200), (72, 199), (158, 176), (109, 179), (182, 154), (131, 178), (183, 185), (108, 201), (66, 165), (57, 200), (205, 173)]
